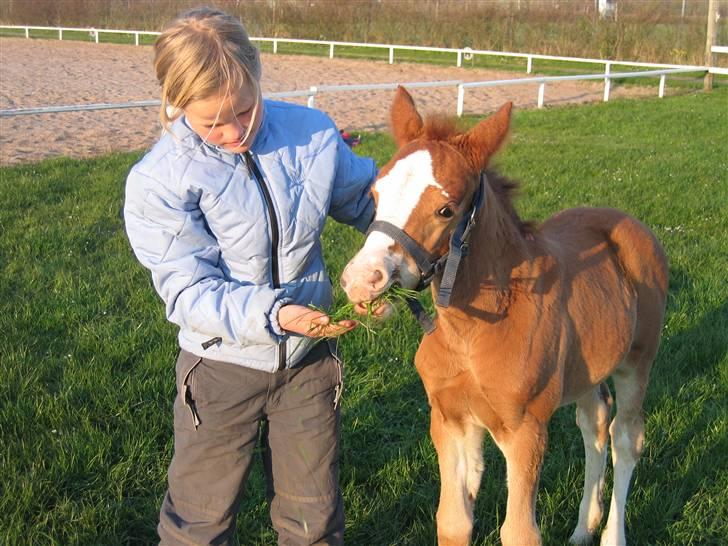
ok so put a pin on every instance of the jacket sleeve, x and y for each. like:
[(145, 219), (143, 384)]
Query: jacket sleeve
[(169, 236), (351, 200)]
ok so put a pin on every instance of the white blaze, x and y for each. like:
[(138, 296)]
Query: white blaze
[(401, 189), (399, 193)]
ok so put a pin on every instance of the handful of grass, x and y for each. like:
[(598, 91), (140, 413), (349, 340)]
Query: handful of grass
[(394, 295)]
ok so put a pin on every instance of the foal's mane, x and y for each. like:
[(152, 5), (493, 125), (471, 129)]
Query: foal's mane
[(445, 128)]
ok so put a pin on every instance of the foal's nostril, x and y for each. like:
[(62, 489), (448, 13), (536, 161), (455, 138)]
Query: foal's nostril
[(376, 277), (342, 282)]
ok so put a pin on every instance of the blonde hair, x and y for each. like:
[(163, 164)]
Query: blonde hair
[(201, 52)]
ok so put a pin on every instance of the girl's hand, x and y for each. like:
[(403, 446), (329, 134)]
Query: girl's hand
[(381, 311), (311, 323)]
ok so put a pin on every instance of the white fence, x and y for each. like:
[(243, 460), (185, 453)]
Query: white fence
[(542, 81), (92, 32), (458, 53), (312, 92)]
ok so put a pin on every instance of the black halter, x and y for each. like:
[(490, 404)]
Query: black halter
[(430, 267)]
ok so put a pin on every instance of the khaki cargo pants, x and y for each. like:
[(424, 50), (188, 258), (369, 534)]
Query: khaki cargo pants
[(218, 414)]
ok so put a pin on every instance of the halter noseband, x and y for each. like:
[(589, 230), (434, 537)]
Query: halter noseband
[(448, 263)]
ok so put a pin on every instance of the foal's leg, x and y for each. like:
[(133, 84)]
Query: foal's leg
[(460, 457), (627, 432), (592, 417), (523, 450)]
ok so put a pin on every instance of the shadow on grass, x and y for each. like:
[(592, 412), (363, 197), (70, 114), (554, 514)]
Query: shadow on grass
[(683, 456)]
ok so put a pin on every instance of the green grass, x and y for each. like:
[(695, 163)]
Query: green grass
[(87, 365)]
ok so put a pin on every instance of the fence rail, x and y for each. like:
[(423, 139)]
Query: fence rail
[(542, 81), (93, 32), (313, 91), (716, 69), (458, 53)]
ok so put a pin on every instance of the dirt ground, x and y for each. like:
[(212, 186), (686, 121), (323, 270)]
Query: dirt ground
[(54, 73)]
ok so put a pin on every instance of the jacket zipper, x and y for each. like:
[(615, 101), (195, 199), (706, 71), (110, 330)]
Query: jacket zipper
[(274, 237)]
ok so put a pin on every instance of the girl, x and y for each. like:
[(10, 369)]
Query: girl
[(227, 211)]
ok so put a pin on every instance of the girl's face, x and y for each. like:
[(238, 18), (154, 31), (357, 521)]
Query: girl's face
[(224, 119)]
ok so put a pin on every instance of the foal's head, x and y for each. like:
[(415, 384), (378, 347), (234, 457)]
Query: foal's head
[(424, 190)]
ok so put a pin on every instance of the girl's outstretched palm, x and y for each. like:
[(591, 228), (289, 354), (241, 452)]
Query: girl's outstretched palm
[(311, 322)]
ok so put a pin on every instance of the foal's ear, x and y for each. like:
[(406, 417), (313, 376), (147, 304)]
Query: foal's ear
[(483, 140), (406, 122)]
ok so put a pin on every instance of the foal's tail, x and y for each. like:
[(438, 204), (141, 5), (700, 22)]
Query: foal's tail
[(640, 253), (645, 263)]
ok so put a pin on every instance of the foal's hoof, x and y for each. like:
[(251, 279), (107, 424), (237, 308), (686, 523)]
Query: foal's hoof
[(581, 536)]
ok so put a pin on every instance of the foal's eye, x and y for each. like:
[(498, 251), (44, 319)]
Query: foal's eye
[(445, 212)]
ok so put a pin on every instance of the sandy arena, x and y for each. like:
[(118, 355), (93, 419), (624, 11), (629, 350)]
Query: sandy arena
[(54, 73)]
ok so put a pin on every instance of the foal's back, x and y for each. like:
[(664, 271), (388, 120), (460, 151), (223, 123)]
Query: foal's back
[(614, 275)]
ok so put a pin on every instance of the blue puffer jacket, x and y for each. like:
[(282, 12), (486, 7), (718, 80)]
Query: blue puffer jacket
[(227, 251)]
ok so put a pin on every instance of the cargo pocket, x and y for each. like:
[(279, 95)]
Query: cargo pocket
[(339, 371), (187, 363)]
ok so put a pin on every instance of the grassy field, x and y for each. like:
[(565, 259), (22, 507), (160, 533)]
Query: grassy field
[(87, 366)]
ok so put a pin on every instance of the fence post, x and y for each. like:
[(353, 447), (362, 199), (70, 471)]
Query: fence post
[(311, 98), (607, 81), (541, 90), (661, 93), (391, 55), (461, 99), (331, 50), (60, 34), (136, 38), (529, 67), (27, 32), (96, 35), (275, 46), (711, 32), (460, 58)]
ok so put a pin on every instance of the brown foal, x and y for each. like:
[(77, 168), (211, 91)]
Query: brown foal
[(538, 318)]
